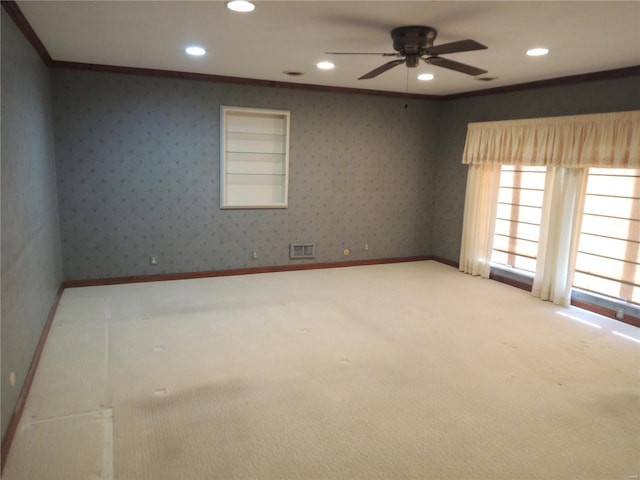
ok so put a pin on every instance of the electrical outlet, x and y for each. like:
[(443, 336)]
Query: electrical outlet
[(153, 260), (254, 255), (366, 247), (620, 313)]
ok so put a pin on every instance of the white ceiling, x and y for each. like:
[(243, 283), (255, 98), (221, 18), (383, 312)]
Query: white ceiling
[(583, 37)]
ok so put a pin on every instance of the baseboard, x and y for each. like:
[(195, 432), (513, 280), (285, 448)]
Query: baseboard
[(605, 312), (446, 261), (24, 393), (237, 271), (509, 281)]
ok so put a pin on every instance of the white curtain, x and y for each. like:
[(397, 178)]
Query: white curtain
[(567, 146), (479, 221), (562, 208)]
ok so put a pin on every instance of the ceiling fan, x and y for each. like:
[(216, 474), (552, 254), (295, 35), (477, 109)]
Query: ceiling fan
[(413, 43)]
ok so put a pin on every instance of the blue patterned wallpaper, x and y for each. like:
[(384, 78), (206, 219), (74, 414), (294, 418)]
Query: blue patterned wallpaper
[(138, 171), (450, 183), (31, 259), (138, 165)]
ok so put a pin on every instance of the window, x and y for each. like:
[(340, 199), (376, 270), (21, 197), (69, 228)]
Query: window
[(607, 262), (609, 246), (515, 242), (254, 158)]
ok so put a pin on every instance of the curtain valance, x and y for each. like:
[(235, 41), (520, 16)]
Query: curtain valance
[(596, 140)]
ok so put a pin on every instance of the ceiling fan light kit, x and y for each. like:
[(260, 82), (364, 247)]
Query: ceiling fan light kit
[(414, 43)]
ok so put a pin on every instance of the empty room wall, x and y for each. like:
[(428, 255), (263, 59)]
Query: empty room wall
[(138, 163), (449, 189), (31, 258)]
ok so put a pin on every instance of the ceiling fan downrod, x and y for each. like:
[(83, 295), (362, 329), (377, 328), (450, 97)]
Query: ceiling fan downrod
[(412, 60)]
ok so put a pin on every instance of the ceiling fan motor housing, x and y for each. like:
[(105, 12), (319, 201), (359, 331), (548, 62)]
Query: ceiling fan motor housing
[(413, 40)]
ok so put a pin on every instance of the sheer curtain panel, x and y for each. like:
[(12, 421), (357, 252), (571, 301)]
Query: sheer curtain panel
[(478, 226), (562, 209)]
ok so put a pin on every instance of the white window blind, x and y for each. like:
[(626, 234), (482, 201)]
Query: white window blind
[(517, 229), (609, 247)]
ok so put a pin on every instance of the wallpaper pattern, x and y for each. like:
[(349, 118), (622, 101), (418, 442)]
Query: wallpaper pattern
[(138, 164), (31, 260), (450, 185), (138, 171)]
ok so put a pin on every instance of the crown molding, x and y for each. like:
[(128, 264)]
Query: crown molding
[(11, 7), (20, 20)]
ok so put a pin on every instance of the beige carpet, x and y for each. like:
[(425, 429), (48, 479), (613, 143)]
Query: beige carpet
[(393, 371)]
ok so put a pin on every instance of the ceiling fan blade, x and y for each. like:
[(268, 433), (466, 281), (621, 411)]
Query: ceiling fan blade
[(454, 47), (457, 66), (381, 69), (363, 53)]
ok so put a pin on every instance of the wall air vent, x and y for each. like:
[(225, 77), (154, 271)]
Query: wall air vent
[(302, 250)]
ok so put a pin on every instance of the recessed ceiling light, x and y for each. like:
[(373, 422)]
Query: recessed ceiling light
[(537, 52), (240, 6), (325, 65), (426, 76), (195, 50)]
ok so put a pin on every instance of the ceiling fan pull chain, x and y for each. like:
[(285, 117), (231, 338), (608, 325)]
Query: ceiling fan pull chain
[(407, 71)]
